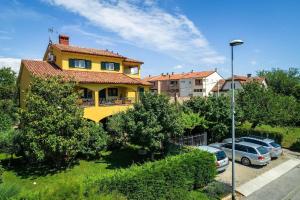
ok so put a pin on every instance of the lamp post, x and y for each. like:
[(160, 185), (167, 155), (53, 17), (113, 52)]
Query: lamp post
[(232, 44)]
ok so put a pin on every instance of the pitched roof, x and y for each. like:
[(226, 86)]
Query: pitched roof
[(202, 74), (44, 69), (218, 85), (246, 79), (92, 51), (241, 79)]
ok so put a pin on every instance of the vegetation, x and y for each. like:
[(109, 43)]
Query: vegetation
[(260, 105), (285, 82), (52, 127), (162, 179), (191, 120), (216, 111), (288, 137), (8, 108), (150, 124)]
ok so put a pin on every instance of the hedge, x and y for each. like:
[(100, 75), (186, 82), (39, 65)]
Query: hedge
[(164, 179), (171, 178), (275, 135)]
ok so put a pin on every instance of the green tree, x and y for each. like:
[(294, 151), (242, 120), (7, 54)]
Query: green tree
[(284, 82), (151, 123), (255, 102), (52, 127), (263, 106), (8, 108), (191, 120), (216, 110), (118, 127)]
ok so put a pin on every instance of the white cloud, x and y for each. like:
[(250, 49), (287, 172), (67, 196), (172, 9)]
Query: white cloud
[(178, 67), (14, 63), (253, 62), (145, 25)]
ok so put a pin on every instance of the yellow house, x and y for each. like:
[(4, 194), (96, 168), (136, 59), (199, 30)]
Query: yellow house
[(109, 82)]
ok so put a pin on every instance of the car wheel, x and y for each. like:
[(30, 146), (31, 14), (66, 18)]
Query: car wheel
[(246, 161)]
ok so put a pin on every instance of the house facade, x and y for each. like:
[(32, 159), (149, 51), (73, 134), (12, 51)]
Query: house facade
[(184, 84), (108, 82), (223, 86)]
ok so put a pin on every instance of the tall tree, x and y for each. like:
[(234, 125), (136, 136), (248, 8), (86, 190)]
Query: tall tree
[(8, 108), (150, 124), (216, 110), (52, 127), (286, 82)]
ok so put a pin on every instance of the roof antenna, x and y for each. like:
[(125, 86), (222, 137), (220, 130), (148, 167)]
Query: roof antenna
[(51, 30)]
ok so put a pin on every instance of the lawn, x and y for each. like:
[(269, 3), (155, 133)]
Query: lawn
[(37, 178)]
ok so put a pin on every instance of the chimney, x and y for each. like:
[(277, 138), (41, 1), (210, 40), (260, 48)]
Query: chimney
[(162, 74), (192, 71), (63, 39), (248, 75), (216, 69), (167, 73), (149, 75), (172, 73)]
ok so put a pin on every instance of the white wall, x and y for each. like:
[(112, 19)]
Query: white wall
[(227, 85), (210, 82)]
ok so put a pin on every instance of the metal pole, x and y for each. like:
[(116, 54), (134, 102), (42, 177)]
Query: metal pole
[(233, 127)]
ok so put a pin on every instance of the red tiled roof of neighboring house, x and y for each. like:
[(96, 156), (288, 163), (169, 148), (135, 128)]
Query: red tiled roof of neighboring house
[(218, 85), (241, 79), (133, 60), (91, 51), (44, 69), (179, 76)]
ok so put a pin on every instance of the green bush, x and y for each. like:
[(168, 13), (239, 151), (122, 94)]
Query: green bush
[(275, 135), (161, 179), (1, 172)]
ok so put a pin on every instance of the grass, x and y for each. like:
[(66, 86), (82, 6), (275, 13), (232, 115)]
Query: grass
[(37, 178), (291, 135)]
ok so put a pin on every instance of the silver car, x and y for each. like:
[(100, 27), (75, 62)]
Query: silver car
[(221, 158), (248, 153), (274, 148)]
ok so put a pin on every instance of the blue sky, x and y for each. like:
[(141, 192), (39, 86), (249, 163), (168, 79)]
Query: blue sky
[(168, 35)]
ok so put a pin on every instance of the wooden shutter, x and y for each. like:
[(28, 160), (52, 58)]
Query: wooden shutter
[(103, 67), (71, 63), (117, 66), (88, 64)]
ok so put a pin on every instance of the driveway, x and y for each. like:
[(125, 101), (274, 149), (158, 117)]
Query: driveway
[(245, 174)]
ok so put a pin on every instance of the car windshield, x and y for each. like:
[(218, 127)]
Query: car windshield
[(262, 150), (274, 144), (220, 155)]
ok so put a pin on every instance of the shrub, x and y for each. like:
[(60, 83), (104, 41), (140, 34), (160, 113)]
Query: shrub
[(1, 173), (161, 179)]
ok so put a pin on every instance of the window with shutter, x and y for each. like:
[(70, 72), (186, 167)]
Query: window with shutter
[(78, 63)]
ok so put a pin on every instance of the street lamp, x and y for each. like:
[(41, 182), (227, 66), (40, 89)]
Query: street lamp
[(232, 44)]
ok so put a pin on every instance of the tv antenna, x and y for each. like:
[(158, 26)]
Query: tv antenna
[(51, 31)]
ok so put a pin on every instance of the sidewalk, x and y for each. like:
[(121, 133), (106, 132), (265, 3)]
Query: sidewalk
[(255, 184)]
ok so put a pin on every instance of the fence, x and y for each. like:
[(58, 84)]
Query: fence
[(195, 140)]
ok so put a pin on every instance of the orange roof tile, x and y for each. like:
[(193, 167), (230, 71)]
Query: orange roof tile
[(44, 69), (179, 76), (218, 85), (91, 51)]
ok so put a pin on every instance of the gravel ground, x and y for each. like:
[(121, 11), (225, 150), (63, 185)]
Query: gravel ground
[(244, 173)]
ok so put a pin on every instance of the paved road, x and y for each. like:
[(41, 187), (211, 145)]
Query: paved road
[(286, 187)]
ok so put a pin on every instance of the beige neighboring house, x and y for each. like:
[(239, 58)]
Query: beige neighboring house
[(184, 85), (223, 86)]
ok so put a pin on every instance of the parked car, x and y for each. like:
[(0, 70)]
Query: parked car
[(248, 153), (274, 148), (229, 140), (222, 161)]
